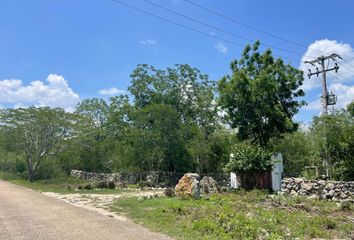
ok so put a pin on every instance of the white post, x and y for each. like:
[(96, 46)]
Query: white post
[(277, 171), (234, 184)]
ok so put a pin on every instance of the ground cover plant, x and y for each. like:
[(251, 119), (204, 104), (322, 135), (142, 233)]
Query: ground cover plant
[(242, 215), (63, 186)]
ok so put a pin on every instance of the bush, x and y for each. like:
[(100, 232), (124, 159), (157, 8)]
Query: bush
[(101, 184), (169, 192), (247, 158), (88, 186), (111, 185)]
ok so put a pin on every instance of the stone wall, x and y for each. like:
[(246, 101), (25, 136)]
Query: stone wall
[(151, 179), (320, 189)]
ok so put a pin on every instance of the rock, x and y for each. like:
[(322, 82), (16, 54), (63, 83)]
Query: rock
[(293, 193), (330, 194), (208, 185), (306, 186), (322, 182), (329, 186), (299, 180), (188, 186), (285, 190), (152, 179), (343, 195)]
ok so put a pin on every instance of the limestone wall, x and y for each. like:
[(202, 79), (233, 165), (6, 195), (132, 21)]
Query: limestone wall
[(332, 190), (151, 179)]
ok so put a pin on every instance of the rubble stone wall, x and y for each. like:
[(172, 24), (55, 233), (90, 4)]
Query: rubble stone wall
[(151, 179), (320, 189)]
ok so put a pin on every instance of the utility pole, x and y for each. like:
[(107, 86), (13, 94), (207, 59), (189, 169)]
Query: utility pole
[(326, 99)]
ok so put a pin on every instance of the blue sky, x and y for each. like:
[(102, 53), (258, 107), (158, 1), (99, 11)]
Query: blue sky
[(59, 52)]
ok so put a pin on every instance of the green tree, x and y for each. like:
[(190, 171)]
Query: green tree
[(185, 88), (156, 139), (259, 98), (334, 136), (38, 132), (298, 149), (210, 155), (94, 147), (190, 94)]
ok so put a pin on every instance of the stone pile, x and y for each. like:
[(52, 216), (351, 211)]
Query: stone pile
[(208, 185), (320, 189)]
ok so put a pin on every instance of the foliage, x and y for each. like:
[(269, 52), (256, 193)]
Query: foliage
[(247, 158), (329, 139), (155, 138), (38, 133), (298, 150), (260, 96), (184, 88), (240, 215), (334, 136)]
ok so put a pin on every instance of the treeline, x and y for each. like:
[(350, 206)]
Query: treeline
[(177, 120)]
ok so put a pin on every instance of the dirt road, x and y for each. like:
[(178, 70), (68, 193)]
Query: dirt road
[(27, 214)]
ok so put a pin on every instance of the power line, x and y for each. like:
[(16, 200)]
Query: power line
[(217, 28), (257, 29), (187, 27), (244, 24), (345, 63)]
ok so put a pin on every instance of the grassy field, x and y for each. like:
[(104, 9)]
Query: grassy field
[(242, 215), (63, 186)]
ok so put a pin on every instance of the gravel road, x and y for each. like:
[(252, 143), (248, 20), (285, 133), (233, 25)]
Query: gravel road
[(27, 214)]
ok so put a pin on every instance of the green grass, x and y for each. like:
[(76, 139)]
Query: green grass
[(241, 215), (63, 186)]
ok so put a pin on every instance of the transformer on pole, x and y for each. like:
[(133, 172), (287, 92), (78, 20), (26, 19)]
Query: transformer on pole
[(326, 98)]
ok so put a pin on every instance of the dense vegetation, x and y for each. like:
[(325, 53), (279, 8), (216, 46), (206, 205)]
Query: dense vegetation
[(177, 120)]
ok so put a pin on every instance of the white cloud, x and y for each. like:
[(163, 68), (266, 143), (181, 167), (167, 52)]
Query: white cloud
[(327, 47), (55, 92), (148, 42), (344, 93), (111, 91), (221, 48)]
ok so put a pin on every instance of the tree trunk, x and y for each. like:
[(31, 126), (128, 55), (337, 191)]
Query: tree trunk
[(30, 168)]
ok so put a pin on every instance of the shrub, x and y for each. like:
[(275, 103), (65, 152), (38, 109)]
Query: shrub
[(101, 184), (88, 186), (169, 192), (111, 185), (247, 158)]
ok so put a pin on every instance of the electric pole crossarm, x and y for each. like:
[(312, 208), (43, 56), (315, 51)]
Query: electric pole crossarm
[(327, 99), (333, 56), (335, 68)]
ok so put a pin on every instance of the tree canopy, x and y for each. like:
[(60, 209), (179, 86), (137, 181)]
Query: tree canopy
[(260, 97)]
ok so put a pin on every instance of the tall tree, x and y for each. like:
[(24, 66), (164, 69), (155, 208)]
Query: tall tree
[(185, 88), (260, 97), (38, 132), (157, 140)]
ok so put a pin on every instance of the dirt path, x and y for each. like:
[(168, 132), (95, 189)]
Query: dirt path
[(27, 214)]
